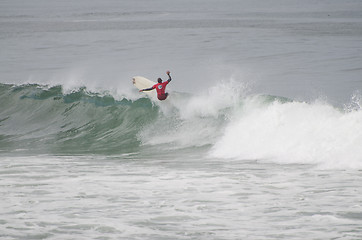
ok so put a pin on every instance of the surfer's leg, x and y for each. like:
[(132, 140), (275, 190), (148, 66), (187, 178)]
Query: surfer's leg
[(162, 97)]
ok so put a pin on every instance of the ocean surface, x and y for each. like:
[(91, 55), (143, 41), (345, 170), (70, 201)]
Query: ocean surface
[(260, 138)]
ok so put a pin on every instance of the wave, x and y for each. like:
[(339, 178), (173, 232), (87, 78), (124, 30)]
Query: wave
[(43, 119), (224, 122)]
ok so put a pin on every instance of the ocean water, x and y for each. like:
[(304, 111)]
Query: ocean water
[(260, 138)]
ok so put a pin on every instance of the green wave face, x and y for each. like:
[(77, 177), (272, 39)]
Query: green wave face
[(44, 120)]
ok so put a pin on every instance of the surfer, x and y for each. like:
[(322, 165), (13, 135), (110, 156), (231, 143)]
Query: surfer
[(160, 87)]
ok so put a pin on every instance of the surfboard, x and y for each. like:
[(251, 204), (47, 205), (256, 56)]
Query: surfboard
[(142, 83)]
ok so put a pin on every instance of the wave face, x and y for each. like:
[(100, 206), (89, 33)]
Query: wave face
[(223, 122), (39, 119)]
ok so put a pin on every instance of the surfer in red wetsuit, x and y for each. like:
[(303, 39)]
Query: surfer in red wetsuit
[(160, 87)]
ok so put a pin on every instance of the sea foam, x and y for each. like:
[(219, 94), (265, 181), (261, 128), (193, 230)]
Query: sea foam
[(293, 132)]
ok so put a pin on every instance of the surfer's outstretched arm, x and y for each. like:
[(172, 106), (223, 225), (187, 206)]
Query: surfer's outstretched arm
[(146, 89)]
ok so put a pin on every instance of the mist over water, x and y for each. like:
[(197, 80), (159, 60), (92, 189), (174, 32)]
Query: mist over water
[(259, 139)]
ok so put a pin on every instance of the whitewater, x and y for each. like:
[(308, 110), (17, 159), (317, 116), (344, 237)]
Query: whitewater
[(260, 137)]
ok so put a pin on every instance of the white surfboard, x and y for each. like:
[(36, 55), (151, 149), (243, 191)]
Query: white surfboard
[(142, 83)]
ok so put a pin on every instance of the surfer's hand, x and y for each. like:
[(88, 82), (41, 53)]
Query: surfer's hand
[(141, 90), (168, 72)]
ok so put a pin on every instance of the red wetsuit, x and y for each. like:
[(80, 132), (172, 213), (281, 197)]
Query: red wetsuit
[(161, 88)]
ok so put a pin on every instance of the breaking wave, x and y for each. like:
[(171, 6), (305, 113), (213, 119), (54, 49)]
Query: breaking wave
[(224, 123)]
